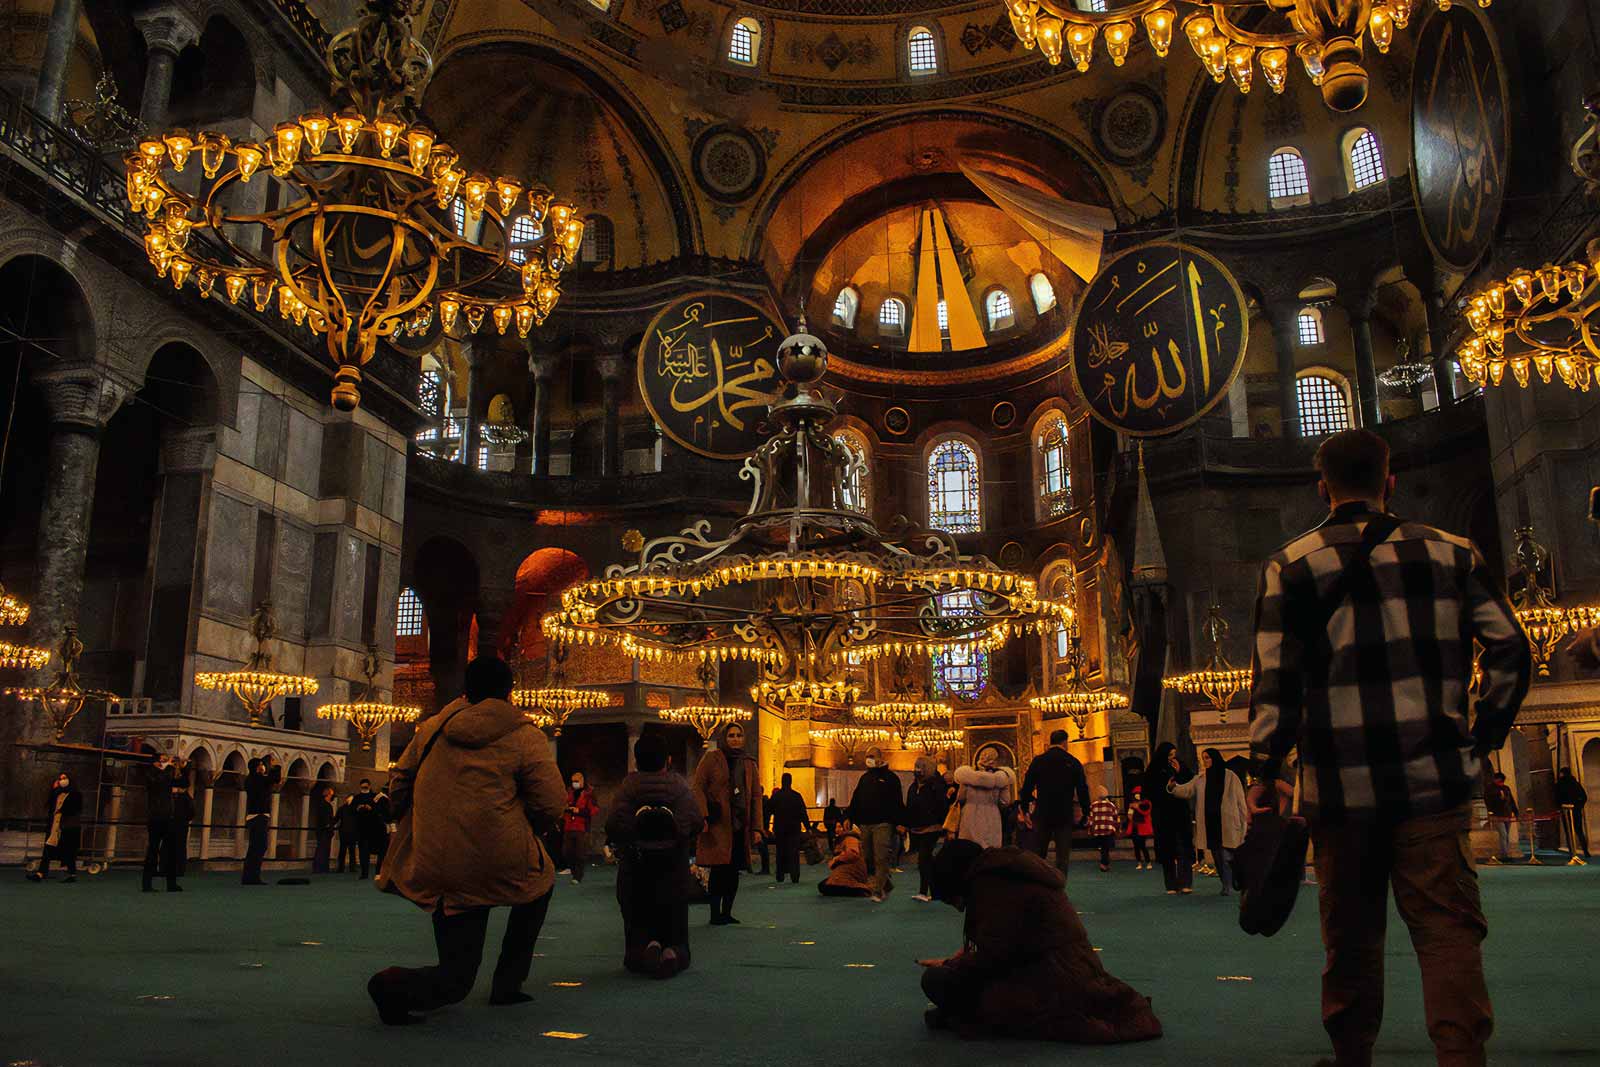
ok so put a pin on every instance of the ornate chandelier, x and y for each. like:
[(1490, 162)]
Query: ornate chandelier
[(501, 429), (258, 685), (369, 715), (65, 696), (936, 740), (1219, 681), (1078, 702), (13, 610), (848, 739), (1407, 373), (706, 719), (903, 716), (550, 706), (1325, 35), (1536, 322), (803, 585), (369, 241), (1546, 623)]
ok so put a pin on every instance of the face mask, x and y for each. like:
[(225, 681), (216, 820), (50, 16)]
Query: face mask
[(577, 785), (871, 762)]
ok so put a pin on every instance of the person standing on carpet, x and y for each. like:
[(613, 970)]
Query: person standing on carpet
[(1054, 780), (470, 791), (349, 832), (1139, 829), (878, 811), (653, 822), (984, 790), (1220, 815), (788, 823), (1170, 819), (832, 816), (725, 788), (927, 804), (259, 784), (575, 823), (365, 802), (323, 822), (61, 841), (382, 826), (1364, 648), (1570, 794), (1026, 968), (1103, 824), (1502, 805)]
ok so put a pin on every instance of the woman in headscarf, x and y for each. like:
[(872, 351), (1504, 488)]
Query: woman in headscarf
[(1026, 968), (847, 870), (725, 785), (61, 843), (1170, 818), (984, 790), (1222, 816)]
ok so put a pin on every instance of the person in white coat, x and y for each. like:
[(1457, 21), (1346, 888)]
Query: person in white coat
[(1221, 815), (983, 791)]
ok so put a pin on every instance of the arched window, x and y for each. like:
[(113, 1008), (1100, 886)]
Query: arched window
[(524, 232), (1308, 327), (1092, 5), (858, 476), (998, 306), (1044, 294), (744, 43), (961, 671), (844, 307), (1287, 182), (599, 241), (944, 318), (408, 614), (458, 216), (1324, 405), (1364, 157), (922, 53), (1055, 471), (953, 488), (892, 317)]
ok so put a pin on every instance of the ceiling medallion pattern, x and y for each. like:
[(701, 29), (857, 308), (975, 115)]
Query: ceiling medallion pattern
[(729, 162), (1128, 126)]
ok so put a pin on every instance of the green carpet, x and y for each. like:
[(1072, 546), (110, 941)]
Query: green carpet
[(98, 974)]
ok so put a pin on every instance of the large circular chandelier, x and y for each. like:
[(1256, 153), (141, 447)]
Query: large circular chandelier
[(1219, 681), (1079, 701), (1537, 322), (257, 685), (706, 719), (803, 585), (1544, 622), (64, 696), (936, 740), (848, 739), (903, 716), (368, 242), (369, 714), (550, 706), (1231, 37)]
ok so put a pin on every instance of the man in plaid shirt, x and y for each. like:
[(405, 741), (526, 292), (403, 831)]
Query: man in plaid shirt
[(1363, 656)]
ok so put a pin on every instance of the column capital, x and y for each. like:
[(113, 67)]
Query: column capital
[(189, 451), (611, 367), (171, 27), (83, 398), (542, 366)]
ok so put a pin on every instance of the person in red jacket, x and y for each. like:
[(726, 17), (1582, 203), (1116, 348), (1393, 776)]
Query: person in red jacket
[(581, 808), (1140, 827)]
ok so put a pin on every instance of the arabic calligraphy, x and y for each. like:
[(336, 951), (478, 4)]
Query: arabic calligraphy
[(707, 370), (1159, 339)]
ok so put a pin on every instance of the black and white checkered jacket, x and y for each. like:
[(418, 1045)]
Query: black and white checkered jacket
[(1378, 701)]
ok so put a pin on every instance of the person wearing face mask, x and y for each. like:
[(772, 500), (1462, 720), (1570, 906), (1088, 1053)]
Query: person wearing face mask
[(927, 804), (878, 811), (575, 822), (725, 788), (984, 790), (61, 843)]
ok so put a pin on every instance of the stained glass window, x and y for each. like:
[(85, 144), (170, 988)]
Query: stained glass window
[(944, 317), (408, 614), (430, 398), (1366, 161), (1286, 175), (1044, 294), (953, 503), (1324, 409), (844, 307), (962, 671), (1055, 473), (458, 216)]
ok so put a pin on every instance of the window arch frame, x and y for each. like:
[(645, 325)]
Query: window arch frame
[(962, 658), (1041, 306), (1341, 386), (1296, 186), (922, 46), (408, 606), (1005, 321), (1310, 328), (968, 516), (1348, 145), (896, 328), (1051, 502), (850, 297), (755, 31), (1056, 580)]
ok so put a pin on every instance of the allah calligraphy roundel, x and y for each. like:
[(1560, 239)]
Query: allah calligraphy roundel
[(1460, 135), (708, 368), (1160, 336)]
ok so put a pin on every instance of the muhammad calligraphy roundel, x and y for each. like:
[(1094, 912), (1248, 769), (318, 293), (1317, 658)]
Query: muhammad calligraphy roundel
[(1460, 133), (708, 368), (1160, 336)]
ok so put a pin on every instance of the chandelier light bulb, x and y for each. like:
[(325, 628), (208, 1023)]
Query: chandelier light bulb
[(525, 316), (1275, 67), (1215, 58), (180, 269), (1047, 32), (388, 129), (502, 318), (508, 191), (447, 181), (419, 146), (179, 145), (475, 315), (1080, 44), (1311, 58), (1158, 24), (261, 292), (1241, 65), (449, 310), (1400, 12), (1118, 37), (315, 126), (249, 158), (1199, 29), (349, 124), (475, 191), (153, 199), (234, 284), (289, 135), (1380, 27), (213, 153)]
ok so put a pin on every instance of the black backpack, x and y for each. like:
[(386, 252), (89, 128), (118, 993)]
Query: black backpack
[(655, 836)]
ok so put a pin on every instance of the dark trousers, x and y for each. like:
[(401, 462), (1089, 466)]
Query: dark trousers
[(163, 844), (460, 941), (955, 991), (256, 826), (766, 856), (366, 848), (653, 896), (380, 849), (319, 859), (1580, 830), (1141, 853), (1174, 842), (788, 849), (64, 853), (347, 851), (1428, 861), (926, 844), (574, 852), (1061, 834), (722, 885), (1106, 841)]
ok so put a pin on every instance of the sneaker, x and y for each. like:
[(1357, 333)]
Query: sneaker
[(564, 870), (668, 965), (1104, 867), (1186, 891), (925, 898), (876, 898), (576, 881), (1172, 892)]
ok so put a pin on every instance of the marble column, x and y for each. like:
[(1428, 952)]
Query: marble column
[(303, 850), (207, 797), (272, 829), (476, 401), (1284, 320), (187, 458), (1438, 330), (60, 36), (634, 729), (167, 31), (611, 368), (543, 369), (1366, 372)]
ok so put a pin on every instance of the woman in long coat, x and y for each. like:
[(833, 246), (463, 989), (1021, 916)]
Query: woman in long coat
[(1221, 815), (847, 870), (61, 843), (1174, 825), (984, 790), (725, 785)]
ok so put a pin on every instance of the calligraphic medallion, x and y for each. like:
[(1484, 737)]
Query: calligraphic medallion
[(1460, 135), (708, 368), (1160, 336)]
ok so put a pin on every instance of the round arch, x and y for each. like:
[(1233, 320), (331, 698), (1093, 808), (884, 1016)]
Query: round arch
[(541, 576)]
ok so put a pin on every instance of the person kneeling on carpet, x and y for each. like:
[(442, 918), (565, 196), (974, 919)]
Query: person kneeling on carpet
[(469, 792), (655, 819), (1026, 968), (847, 874)]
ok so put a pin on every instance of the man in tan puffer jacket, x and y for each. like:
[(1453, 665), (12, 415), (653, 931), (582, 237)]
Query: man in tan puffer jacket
[(475, 785)]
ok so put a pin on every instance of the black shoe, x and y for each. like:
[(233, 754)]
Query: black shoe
[(69, 878), (722, 920), (391, 1013), (650, 957), (502, 1000), (730, 920), (668, 966), (936, 1019)]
